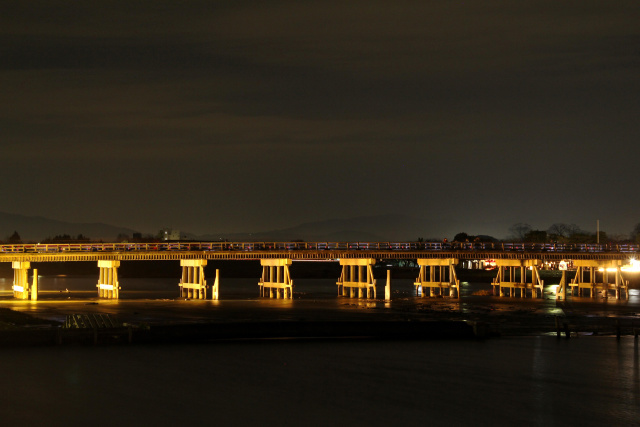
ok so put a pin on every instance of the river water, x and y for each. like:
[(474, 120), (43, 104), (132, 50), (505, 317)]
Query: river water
[(509, 381), (526, 380)]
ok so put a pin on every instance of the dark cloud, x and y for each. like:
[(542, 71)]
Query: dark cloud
[(239, 116)]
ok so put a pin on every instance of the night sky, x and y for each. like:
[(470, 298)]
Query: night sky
[(245, 116)]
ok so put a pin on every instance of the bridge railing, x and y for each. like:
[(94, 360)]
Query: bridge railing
[(317, 246)]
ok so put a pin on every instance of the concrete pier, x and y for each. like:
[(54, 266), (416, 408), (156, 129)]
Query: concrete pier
[(357, 277), (276, 279), (593, 276), (437, 273), (512, 277), (108, 284), (21, 288), (193, 284)]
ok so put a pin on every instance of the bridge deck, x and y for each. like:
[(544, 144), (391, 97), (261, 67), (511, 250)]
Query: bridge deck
[(316, 255)]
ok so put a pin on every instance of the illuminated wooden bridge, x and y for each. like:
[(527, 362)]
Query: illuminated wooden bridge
[(599, 267)]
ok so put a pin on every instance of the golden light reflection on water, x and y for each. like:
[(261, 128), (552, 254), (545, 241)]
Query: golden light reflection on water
[(155, 300)]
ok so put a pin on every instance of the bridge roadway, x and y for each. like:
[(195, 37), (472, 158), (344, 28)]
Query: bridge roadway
[(311, 251)]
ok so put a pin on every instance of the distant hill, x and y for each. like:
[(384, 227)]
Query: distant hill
[(373, 228), (35, 228)]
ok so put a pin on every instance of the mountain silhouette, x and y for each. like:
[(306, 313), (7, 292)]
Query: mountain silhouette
[(35, 228), (370, 228)]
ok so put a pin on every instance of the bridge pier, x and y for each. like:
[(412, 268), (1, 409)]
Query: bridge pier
[(193, 284), (508, 278), (357, 274), (436, 273), (586, 279), (276, 279), (21, 287), (108, 284)]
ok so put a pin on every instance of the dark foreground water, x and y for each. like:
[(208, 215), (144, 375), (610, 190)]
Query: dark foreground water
[(530, 380), (538, 381)]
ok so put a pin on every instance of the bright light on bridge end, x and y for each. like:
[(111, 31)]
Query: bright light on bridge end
[(634, 266)]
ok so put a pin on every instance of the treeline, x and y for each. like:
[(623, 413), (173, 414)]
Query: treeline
[(520, 232), (65, 238), (15, 239), (557, 233), (565, 233)]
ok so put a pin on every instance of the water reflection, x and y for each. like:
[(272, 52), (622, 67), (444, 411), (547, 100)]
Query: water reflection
[(159, 299)]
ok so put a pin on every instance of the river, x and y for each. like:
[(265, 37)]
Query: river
[(532, 379)]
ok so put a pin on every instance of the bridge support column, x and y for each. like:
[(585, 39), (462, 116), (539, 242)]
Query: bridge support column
[(561, 291), (387, 288), (276, 279), (508, 270), (34, 285), (438, 274), (193, 284), (108, 284), (21, 287), (593, 276), (357, 274), (215, 291)]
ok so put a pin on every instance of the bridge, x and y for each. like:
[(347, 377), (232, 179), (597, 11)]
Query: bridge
[(599, 266)]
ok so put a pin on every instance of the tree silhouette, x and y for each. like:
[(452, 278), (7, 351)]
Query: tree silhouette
[(536, 236), (519, 231), (15, 239), (461, 237), (559, 230), (635, 233)]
